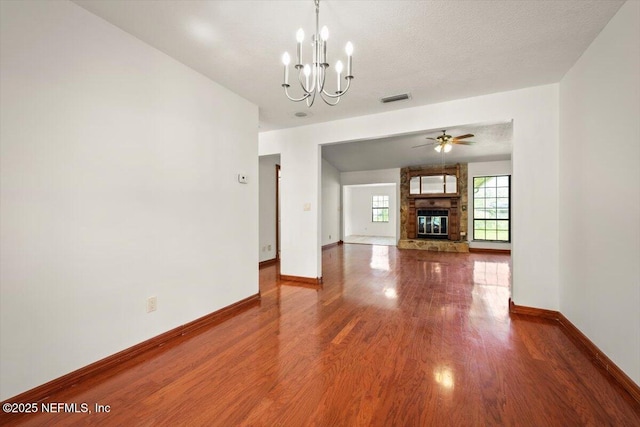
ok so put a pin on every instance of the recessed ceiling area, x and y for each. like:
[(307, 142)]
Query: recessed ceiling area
[(492, 143)]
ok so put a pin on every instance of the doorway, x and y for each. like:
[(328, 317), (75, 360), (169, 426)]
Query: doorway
[(278, 177), (370, 214)]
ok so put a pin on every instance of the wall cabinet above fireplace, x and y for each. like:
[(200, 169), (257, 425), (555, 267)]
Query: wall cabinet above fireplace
[(428, 183)]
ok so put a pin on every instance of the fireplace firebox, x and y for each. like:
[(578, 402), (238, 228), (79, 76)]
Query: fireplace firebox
[(432, 224)]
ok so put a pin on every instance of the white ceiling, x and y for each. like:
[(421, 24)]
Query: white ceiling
[(436, 50), (492, 142)]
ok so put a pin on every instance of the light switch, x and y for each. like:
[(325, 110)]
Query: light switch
[(307, 206)]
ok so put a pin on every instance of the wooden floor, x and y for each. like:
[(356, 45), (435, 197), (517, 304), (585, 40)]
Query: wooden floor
[(394, 338)]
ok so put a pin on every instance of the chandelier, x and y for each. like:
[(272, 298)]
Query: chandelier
[(312, 77)]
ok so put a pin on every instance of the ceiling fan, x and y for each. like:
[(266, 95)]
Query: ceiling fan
[(445, 142)]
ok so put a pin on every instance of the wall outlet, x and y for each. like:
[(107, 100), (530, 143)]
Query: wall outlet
[(329, 236), (152, 304), (269, 248)]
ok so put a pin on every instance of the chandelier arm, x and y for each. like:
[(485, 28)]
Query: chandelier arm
[(286, 92), (302, 83), (311, 99), (342, 92), (326, 101)]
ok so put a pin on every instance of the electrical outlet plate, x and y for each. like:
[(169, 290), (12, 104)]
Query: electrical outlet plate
[(152, 304)]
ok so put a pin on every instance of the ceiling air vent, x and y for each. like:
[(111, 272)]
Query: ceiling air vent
[(395, 98)]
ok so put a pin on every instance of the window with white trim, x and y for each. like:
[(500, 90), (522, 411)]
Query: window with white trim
[(380, 208)]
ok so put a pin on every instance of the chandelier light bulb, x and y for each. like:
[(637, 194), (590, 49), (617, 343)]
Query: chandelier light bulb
[(339, 74), (324, 33), (307, 73), (349, 49), (300, 35), (285, 60)]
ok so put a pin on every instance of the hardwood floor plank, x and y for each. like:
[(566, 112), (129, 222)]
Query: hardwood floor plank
[(393, 337)]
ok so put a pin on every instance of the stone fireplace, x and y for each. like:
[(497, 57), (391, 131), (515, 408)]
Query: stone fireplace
[(433, 210)]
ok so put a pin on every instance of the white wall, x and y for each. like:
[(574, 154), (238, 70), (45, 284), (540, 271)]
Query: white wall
[(484, 169), (267, 203), (118, 182), (380, 176), (535, 142), (599, 218), (357, 218), (331, 204)]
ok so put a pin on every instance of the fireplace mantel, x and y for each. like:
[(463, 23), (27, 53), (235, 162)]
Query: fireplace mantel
[(450, 204)]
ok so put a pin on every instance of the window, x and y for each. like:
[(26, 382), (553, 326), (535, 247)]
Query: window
[(491, 208), (380, 209)]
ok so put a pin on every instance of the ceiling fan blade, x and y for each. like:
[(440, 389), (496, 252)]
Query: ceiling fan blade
[(423, 145), (468, 135), (464, 142), (432, 138)]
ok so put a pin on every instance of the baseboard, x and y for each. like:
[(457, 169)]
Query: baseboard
[(584, 344), (533, 311), (490, 251), (317, 281), (42, 392), (330, 245), (591, 349), (267, 262)]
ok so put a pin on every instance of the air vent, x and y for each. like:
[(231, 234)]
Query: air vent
[(396, 98)]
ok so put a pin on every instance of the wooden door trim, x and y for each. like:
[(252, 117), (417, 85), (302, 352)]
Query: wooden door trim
[(277, 212)]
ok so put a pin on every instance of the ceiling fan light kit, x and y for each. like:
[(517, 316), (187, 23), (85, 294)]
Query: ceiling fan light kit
[(446, 147), (312, 77)]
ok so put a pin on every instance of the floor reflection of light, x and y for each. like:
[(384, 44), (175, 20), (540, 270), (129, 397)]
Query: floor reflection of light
[(444, 377), (490, 295), (380, 258), (491, 273), (390, 293)]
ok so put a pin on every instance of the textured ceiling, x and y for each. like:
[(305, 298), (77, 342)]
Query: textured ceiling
[(436, 50)]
